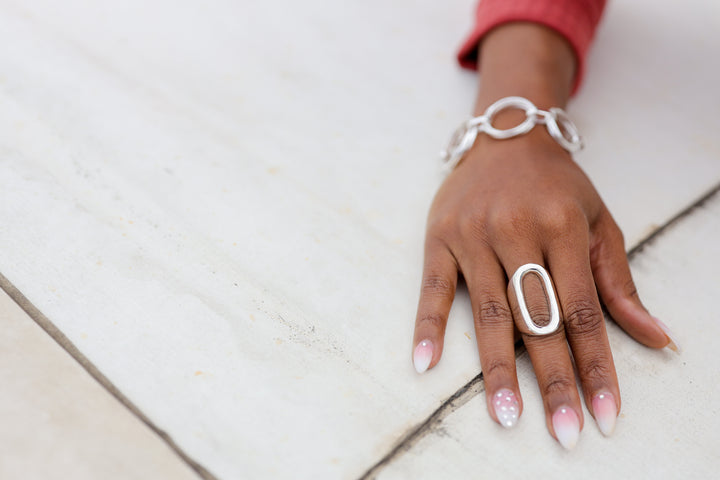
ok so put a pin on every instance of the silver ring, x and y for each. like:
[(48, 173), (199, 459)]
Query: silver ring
[(516, 282)]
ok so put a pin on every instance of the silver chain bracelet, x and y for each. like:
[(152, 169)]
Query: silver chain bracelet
[(558, 124)]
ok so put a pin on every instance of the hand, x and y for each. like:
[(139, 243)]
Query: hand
[(524, 200), (518, 201)]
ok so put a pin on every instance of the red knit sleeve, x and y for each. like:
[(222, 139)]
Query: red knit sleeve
[(576, 20)]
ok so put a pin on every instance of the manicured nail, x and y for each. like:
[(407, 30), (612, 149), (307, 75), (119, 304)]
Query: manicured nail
[(605, 410), (672, 345), (423, 355), (567, 426), (506, 407)]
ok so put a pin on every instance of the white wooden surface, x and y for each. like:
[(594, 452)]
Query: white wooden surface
[(669, 425), (222, 204), (58, 422)]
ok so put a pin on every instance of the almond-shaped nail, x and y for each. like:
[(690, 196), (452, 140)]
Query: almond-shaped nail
[(422, 356), (567, 427), (672, 344), (605, 410), (507, 409)]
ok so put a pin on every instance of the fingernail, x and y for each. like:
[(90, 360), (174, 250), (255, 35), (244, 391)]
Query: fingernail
[(672, 345), (423, 355), (605, 410), (506, 407), (567, 426)]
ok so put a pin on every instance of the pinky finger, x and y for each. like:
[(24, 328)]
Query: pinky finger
[(617, 290), (436, 296)]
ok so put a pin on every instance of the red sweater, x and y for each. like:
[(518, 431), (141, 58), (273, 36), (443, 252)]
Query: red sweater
[(576, 20)]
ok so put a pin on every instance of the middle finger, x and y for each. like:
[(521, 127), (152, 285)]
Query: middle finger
[(549, 353)]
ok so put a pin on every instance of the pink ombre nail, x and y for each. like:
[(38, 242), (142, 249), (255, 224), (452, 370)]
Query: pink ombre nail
[(567, 426), (422, 356), (672, 345), (605, 410), (507, 409)]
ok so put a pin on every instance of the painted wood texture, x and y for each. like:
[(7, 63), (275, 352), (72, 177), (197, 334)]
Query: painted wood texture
[(668, 425), (222, 204), (58, 422)]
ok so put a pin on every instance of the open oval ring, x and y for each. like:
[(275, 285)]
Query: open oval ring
[(530, 327)]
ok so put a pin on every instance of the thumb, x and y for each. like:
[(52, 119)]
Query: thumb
[(617, 290)]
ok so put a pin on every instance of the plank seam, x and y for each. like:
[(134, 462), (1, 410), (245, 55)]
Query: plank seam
[(65, 343), (463, 395), (468, 391)]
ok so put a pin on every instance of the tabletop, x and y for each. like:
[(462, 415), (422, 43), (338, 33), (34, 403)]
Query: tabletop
[(217, 209)]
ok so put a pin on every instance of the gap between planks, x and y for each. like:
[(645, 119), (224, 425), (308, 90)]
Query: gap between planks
[(406, 442), (95, 373), (475, 386)]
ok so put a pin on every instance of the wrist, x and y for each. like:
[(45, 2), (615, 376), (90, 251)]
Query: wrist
[(556, 122), (526, 60)]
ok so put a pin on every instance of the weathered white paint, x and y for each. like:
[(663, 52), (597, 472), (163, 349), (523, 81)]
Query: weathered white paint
[(222, 203)]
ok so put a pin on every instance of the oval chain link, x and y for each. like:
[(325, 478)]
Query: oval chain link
[(556, 121)]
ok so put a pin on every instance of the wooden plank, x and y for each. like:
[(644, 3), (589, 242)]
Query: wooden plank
[(222, 205)]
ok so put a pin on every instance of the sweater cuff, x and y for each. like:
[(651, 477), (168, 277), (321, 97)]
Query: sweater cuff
[(575, 20)]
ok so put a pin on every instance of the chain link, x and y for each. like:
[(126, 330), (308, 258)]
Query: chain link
[(556, 121)]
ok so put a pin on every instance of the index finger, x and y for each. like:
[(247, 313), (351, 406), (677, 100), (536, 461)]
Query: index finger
[(437, 292)]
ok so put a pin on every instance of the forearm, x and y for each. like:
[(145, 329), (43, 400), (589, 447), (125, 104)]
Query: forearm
[(526, 60)]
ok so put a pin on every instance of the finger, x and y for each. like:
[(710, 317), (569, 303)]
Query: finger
[(436, 296), (494, 330), (550, 357), (614, 282), (569, 262)]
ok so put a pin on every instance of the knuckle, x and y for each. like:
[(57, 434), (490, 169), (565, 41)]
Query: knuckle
[(609, 236), (557, 384), (437, 286), (498, 368), (630, 289), (508, 222), (539, 314), (492, 313), (562, 217), (611, 228), (433, 320), (474, 225), (594, 371), (583, 317), (442, 224)]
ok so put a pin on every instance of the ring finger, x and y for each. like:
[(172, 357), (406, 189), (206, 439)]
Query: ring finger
[(549, 354)]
